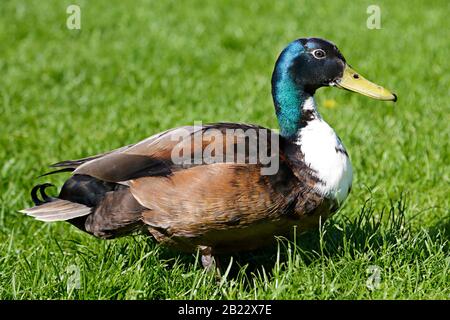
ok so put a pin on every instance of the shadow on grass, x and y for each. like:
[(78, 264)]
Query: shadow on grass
[(339, 237)]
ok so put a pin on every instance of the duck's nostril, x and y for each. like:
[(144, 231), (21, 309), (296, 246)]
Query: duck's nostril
[(356, 76)]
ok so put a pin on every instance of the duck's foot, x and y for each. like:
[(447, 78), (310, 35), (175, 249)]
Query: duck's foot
[(209, 262)]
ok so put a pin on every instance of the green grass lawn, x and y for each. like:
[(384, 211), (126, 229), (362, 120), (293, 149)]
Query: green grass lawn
[(139, 67)]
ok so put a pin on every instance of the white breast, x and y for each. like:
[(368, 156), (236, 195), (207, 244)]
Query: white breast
[(325, 154)]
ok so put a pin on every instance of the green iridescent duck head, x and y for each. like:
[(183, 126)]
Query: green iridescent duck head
[(304, 66)]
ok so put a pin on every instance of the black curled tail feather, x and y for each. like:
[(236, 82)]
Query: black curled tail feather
[(45, 198)]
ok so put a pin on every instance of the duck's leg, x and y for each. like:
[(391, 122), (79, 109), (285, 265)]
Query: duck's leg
[(209, 262)]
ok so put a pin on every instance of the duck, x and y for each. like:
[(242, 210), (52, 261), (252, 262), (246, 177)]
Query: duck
[(182, 190)]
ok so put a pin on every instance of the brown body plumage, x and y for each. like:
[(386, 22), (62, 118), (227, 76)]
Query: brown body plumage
[(218, 205)]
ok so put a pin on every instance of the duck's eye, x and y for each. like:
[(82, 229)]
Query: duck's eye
[(319, 54)]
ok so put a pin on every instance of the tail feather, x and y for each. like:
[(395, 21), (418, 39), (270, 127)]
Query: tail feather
[(103, 209), (41, 188), (53, 209), (57, 210), (57, 171)]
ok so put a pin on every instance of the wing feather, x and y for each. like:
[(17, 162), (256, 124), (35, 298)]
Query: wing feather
[(154, 156)]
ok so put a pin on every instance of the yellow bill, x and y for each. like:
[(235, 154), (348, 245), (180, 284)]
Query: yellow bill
[(353, 81)]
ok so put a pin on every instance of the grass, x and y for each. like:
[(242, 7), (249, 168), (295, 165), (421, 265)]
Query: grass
[(140, 67)]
